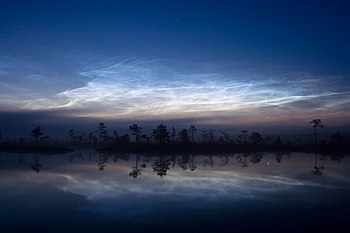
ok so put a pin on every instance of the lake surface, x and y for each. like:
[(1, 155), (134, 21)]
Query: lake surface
[(89, 192)]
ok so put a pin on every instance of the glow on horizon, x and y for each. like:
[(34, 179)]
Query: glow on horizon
[(145, 89)]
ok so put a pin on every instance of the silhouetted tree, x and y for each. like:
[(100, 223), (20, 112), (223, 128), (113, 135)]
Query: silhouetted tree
[(115, 136), (184, 138), (337, 138), (224, 138), (192, 131), (103, 132), (278, 141), (71, 135), (21, 141), (208, 136), (144, 138), (124, 138), (173, 135), (92, 138), (37, 134), (136, 131), (161, 134), (255, 138), (81, 138), (242, 138), (316, 123)]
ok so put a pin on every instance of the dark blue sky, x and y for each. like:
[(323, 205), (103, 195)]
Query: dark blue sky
[(209, 62), (297, 33)]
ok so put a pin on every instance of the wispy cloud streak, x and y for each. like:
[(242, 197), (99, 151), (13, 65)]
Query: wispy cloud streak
[(148, 89)]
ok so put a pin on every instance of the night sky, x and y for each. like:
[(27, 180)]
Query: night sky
[(215, 64)]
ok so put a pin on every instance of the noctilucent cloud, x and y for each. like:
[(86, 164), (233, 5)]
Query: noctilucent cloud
[(209, 62)]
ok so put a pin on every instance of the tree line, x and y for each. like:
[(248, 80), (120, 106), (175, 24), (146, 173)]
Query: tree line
[(162, 135)]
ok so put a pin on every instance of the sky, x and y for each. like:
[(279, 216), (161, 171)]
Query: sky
[(232, 64)]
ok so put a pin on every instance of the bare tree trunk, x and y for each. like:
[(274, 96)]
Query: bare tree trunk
[(315, 135)]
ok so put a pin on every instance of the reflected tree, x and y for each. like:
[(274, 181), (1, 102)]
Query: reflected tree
[(192, 163), (136, 171), (144, 162), (316, 123), (208, 161), (337, 157), (278, 156), (224, 160), (183, 162), (71, 158), (36, 166), (102, 162), (256, 158), (161, 166), (242, 158), (173, 161), (317, 169)]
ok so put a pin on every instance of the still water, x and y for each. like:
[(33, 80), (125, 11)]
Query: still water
[(89, 192)]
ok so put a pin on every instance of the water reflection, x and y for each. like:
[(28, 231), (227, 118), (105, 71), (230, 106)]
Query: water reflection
[(317, 169), (204, 193), (102, 161), (36, 166), (136, 171), (160, 164)]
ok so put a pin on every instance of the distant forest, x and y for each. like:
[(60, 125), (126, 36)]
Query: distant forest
[(171, 140)]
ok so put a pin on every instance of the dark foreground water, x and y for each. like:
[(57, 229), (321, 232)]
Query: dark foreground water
[(89, 192)]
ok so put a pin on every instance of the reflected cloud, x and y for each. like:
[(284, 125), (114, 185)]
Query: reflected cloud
[(112, 192), (234, 185)]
